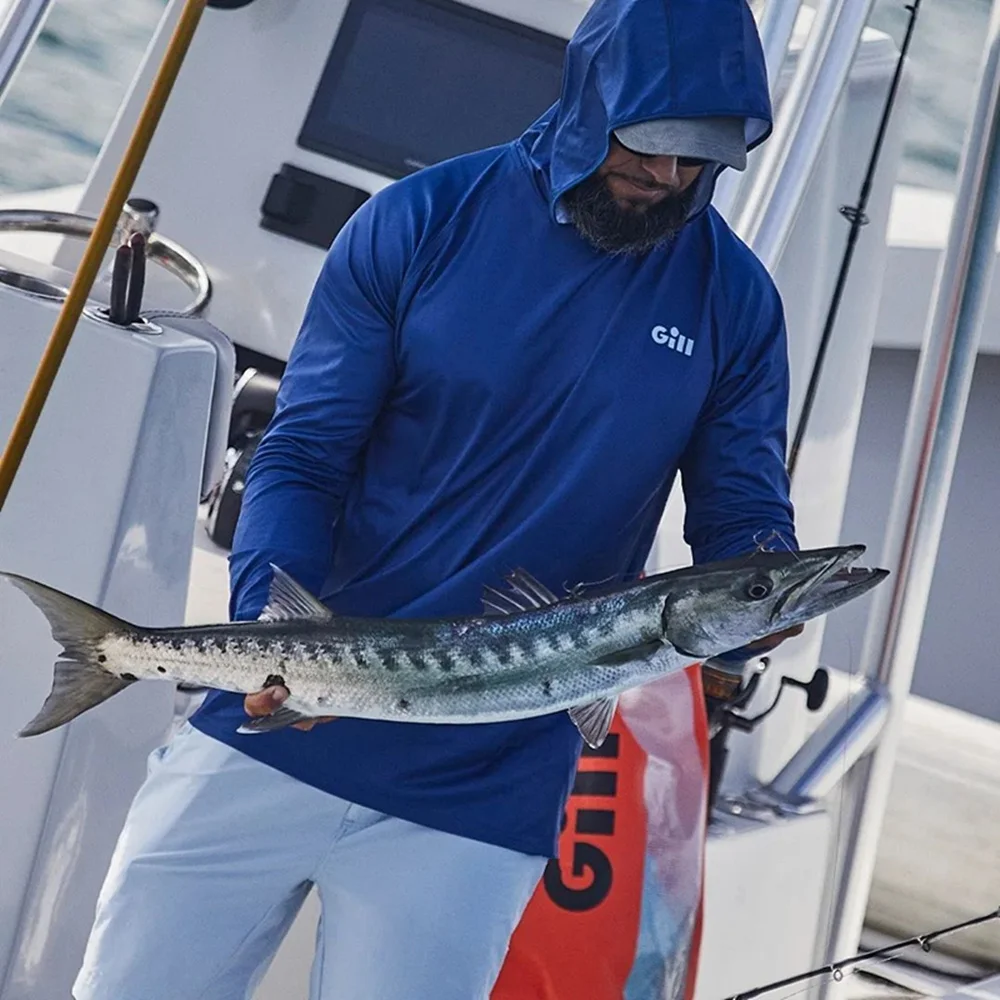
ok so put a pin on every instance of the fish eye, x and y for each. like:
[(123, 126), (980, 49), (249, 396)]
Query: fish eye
[(759, 588)]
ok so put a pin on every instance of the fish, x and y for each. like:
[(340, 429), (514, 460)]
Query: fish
[(529, 652)]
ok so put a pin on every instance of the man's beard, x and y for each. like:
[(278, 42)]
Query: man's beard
[(606, 226)]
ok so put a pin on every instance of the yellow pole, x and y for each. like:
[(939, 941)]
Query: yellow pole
[(83, 281)]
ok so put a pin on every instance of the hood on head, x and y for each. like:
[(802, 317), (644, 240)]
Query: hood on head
[(635, 60)]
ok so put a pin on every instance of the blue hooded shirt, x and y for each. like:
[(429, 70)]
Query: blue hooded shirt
[(475, 388)]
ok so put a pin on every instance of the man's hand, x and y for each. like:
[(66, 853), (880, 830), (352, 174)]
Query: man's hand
[(770, 642), (735, 659), (268, 700)]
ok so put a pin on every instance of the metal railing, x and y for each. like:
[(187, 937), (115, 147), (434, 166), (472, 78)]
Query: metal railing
[(19, 24), (934, 424), (765, 217), (776, 26)]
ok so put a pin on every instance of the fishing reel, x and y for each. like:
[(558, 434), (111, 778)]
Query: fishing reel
[(727, 691), (254, 399)]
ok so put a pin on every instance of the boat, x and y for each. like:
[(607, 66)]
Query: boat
[(853, 787)]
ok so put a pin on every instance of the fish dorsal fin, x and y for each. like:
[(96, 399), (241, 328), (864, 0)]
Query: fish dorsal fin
[(496, 602), (524, 583), (288, 601), (524, 593), (594, 719)]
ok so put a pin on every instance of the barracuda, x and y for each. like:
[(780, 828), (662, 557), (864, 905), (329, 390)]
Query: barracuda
[(529, 654)]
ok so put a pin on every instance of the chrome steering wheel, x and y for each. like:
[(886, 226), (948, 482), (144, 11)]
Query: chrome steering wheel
[(139, 216)]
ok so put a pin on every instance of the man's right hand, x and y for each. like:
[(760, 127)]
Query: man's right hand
[(268, 700)]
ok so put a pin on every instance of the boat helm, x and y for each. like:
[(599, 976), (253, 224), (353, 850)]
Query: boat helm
[(136, 225)]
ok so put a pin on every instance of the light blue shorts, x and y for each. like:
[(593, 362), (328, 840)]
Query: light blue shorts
[(218, 853)]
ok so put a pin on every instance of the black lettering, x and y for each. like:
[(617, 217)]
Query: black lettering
[(600, 822), (586, 859), (609, 748), (595, 783)]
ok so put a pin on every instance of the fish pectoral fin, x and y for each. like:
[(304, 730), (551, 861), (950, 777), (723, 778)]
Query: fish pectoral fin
[(289, 601), (594, 719), (524, 593), (278, 719)]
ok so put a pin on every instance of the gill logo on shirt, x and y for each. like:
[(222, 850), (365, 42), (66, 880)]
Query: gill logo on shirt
[(673, 338)]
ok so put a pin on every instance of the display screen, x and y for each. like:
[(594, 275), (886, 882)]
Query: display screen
[(413, 82)]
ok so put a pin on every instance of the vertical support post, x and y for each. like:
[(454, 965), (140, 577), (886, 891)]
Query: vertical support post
[(937, 411)]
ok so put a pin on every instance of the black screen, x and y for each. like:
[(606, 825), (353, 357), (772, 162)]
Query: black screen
[(413, 82)]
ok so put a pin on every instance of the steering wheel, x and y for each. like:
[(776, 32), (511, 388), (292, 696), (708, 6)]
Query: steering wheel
[(140, 216)]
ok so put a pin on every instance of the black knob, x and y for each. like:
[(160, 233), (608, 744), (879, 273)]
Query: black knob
[(815, 689)]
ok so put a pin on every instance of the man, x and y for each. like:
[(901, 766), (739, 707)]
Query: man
[(505, 361)]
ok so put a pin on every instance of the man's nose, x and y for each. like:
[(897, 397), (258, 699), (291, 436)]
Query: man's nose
[(662, 169)]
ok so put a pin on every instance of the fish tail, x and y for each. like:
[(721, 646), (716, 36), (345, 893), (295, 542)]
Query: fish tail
[(80, 681)]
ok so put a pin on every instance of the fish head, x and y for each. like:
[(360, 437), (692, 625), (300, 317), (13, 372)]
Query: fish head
[(718, 607)]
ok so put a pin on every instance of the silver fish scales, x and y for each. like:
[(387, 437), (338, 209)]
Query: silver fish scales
[(530, 654)]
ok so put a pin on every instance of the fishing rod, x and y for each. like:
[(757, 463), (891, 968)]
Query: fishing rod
[(836, 969), (855, 214)]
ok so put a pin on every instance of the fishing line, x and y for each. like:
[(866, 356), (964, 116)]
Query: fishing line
[(836, 969), (838, 858), (579, 589), (871, 969), (795, 993), (855, 215), (764, 544)]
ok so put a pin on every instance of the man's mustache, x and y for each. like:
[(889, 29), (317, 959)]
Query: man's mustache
[(645, 184)]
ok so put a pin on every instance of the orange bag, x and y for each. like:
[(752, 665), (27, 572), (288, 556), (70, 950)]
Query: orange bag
[(618, 916)]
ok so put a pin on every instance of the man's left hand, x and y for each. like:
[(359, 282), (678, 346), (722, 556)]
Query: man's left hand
[(269, 700), (770, 642)]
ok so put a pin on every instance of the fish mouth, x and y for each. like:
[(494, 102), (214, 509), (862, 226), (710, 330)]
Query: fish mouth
[(836, 583)]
